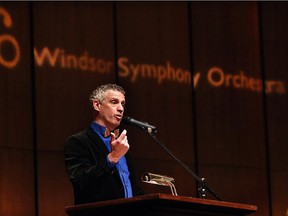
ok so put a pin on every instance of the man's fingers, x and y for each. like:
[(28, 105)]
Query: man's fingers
[(124, 132), (113, 137), (122, 135), (126, 140)]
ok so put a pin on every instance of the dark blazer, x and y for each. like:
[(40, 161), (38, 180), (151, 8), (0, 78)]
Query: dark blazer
[(92, 178)]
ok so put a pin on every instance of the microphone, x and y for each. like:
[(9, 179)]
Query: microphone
[(142, 125)]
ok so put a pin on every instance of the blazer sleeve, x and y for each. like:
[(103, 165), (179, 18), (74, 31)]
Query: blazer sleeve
[(89, 172), (82, 161)]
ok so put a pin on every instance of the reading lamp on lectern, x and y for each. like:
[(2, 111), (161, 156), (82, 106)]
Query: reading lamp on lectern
[(157, 179)]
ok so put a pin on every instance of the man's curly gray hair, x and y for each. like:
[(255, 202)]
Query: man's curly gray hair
[(100, 92)]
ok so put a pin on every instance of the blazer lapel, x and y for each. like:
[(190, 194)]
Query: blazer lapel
[(97, 140)]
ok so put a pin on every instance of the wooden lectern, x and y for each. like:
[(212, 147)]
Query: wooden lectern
[(161, 204)]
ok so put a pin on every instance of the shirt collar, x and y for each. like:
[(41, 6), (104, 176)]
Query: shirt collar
[(98, 128)]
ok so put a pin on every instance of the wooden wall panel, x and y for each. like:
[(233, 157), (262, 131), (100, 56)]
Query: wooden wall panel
[(16, 182), (275, 54), (74, 53), (15, 92), (16, 128), (79, 37), (55, 190), (154, 67), (229, 103)]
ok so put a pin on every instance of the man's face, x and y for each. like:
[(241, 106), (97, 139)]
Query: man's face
[(110, 110)]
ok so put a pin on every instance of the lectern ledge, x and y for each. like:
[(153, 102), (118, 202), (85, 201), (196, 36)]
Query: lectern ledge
[(161, 204)]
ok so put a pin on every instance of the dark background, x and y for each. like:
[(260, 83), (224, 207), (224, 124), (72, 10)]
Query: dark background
[(230, 127)]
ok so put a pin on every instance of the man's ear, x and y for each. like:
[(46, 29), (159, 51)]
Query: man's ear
[(96, 105)]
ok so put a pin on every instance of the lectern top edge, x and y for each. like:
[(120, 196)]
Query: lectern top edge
[(164, 201)]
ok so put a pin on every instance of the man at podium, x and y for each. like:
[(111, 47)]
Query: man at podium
[(97, 160)]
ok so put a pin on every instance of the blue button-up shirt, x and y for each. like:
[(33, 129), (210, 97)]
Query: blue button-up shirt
[(121, 165)]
